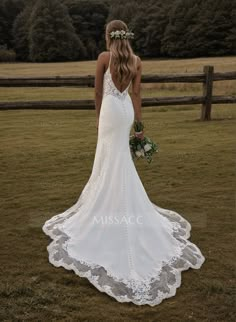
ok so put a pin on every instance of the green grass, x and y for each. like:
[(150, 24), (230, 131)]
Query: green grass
[(150, 66), (155, 66), (46, 158)]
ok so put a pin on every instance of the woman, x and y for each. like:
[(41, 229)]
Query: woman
[(124, 244), (124, 73)]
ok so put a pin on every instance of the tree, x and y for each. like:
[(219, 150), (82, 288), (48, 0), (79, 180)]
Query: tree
[(89, 18), (9, 9), (231, 36), (158, 19), (139, 24), (179, 37), (20, 31), (3, 27), (62, 30), (200, 28), (219, 36), (52, 36)]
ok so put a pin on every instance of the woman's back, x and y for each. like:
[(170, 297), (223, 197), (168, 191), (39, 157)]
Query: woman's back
[(110, 68)]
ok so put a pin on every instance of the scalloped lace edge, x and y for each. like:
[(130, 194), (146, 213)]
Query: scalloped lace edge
[(123, 298)]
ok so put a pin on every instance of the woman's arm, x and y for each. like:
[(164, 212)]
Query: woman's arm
[(99, 84), (136, 93)]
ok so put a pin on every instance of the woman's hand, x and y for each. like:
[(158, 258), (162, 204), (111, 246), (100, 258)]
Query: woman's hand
[(139, 135)]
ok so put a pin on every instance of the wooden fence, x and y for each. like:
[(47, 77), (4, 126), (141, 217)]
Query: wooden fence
[(207, 78)]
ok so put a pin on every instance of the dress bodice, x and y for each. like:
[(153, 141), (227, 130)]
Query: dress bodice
[(109, 87)]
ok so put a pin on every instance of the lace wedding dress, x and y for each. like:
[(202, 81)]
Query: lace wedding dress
[(123, 243)]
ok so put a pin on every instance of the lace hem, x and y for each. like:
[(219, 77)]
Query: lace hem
[(152, 290)]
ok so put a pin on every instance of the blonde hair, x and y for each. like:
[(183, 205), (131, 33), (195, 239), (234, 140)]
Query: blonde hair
[(122, 53)]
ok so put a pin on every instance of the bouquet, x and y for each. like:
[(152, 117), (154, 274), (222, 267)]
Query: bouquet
[(143, 148)]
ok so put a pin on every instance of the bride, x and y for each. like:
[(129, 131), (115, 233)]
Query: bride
[(114, 235)]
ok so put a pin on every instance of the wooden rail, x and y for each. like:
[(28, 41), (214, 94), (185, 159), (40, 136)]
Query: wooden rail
[(207, 78)]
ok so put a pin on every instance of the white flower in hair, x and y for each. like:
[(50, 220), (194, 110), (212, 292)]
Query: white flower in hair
[(121, 34)]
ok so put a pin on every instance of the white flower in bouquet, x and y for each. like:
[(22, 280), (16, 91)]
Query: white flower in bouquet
[(138, 153), (142, 152), (147, 147)]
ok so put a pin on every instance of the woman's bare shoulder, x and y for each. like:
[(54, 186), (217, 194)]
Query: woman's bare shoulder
[(103, 54), (138, 60)]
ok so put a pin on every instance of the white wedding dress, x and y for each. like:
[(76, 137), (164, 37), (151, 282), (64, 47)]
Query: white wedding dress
[(124, 244)]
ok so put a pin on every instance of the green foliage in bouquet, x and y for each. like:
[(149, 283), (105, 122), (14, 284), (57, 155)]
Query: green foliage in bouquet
[(138, 126)]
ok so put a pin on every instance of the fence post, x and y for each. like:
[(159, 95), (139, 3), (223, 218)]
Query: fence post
[(207, 93)]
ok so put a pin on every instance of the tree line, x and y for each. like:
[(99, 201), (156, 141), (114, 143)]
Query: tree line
[(69, 30)]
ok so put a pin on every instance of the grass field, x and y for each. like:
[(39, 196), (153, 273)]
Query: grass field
[(88, 68), (46, 158)]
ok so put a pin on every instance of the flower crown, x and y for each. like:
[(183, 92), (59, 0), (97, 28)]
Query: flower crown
[(121, 34)]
